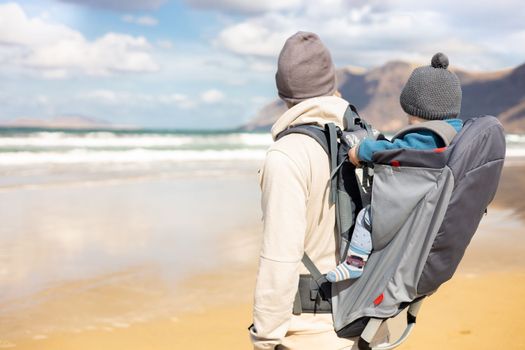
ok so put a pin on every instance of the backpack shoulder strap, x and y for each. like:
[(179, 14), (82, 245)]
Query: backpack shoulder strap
[(439, 127), (310, 266), (314, 131), (327, 138)]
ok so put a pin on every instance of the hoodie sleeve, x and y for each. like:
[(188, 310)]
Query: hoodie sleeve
[(420, 140), (284, 194)]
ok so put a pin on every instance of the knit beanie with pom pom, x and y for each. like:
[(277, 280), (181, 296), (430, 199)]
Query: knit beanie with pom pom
[(432, 92)]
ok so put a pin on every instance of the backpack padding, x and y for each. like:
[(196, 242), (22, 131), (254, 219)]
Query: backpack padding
[(314, 131), (441, 128), (411, 157), (327, 138), (476, 161)]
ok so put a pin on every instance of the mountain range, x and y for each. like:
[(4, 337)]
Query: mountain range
[(375, 93)]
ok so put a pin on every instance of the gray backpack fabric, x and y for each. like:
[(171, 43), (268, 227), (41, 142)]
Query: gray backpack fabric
[(426, 206)]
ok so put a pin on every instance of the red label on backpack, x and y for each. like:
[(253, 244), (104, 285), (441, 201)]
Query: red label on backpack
[(440, 150), (379, 299), (395, 163)]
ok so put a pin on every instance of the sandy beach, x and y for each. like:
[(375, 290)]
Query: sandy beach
[(143, 307)]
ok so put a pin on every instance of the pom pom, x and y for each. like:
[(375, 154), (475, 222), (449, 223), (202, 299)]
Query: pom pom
[(439, 60)]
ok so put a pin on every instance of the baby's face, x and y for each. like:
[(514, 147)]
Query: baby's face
[(412, 119)]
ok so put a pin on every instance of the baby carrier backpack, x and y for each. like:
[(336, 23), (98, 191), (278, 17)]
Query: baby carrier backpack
[(425, 207)]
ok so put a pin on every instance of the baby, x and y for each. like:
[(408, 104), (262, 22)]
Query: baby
[(431, 93)]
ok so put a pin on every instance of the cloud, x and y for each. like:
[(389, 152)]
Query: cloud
[(181, 100), (212, 96), (105, 96), (57, 51), (120, 5), (347, 31), (165, 43), (243, 6), (261, 36), (141, 20), (369, 33), (126, 98)]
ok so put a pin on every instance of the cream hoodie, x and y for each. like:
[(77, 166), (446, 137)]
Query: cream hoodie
[(297, 218)]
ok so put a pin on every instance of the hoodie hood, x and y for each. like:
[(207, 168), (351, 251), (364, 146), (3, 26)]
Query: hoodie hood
[(318, 110)]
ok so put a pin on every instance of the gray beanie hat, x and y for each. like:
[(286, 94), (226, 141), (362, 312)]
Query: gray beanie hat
[(432, 92), (305, 69)]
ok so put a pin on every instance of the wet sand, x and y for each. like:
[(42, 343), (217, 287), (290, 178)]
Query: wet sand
[(218, 318), (107, 256), (459, 316), (480, 308)]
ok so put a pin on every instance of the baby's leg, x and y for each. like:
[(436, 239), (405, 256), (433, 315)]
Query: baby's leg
[(358, 252)]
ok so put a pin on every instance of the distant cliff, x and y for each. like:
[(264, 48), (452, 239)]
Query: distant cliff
[(376, 92)]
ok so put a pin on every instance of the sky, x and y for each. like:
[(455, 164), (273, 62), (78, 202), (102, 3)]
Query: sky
[(207, 64)]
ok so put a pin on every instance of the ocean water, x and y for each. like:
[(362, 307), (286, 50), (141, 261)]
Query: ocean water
[(23, 147), (40, 157), (37, 146), (515, 146), (34, 157)]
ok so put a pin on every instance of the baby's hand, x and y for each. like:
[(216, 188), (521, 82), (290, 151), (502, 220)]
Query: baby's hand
[(352, 156)]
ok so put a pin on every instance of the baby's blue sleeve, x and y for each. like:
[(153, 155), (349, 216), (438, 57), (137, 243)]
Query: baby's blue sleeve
[(421, 140)]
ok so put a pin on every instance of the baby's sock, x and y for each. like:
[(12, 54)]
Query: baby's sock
[(358, 252)]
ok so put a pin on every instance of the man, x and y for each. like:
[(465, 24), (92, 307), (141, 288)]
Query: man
[(297, 215)]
